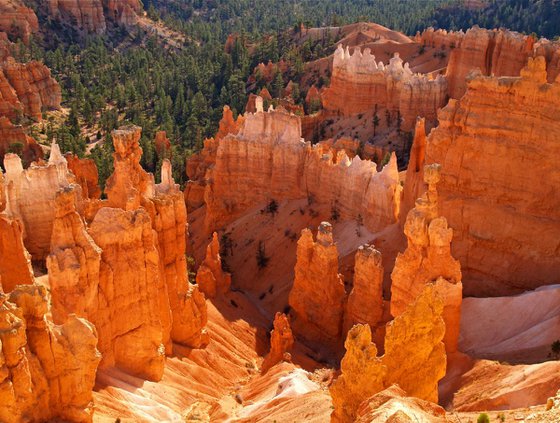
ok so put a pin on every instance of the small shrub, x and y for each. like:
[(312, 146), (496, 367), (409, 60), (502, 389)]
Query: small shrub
[(262, 259), (335, 213), (555, 348), (483, 418), (502, 417), (272, 207)]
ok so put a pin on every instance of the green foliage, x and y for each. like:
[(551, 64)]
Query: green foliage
[(262, 259), (555, 348), (483, 418)]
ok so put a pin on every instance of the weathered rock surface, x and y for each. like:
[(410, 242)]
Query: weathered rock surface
[(359, 83), (267, 159), (15, 261), (414, 358), (525, 336), (128, 318), (505, 217), (317, 297), (33, 85), (281, 342), (31, 197), (211, 279), (13, 139), (129, 185), (365, 302), (86, 175), (17, 20), (363, 374), (48, 371), (127, 271), (393, 405), (428, 258), (73, 263), (414, 180), (84, 15)]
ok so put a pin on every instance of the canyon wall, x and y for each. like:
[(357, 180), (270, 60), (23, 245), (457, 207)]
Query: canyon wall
[(17, 20), (13, 139), (27, 88), (267, 159), (499, 181), (359, 84), (92, 16)]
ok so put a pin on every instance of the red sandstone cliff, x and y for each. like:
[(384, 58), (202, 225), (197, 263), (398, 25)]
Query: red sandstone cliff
[(267, 159), (499, 181), (360, 84), (17, 20), (27, 88)]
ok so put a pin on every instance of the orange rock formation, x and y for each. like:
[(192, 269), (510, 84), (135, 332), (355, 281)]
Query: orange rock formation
[(47, 371), (210, 277), (414, 358), (317, 297), (358, 84), (281, 342), (86, 175), (126, 271), (365, 302), (31, 197), (267, 159), (17, 20), (13, 138), (33, 86), (427, 258), (15, 261), (495, 208)]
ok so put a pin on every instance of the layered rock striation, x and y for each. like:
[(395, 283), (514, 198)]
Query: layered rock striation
[(365, 302), (268, 160), (31, 197), (360, 84), (125, 270), (17, 20), (13, 139), (498, 148), (27, 88)]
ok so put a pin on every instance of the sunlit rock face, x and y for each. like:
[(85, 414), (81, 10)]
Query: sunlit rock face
[(428, 258), (267, 159), (414, 358), (47, 370), (359, 84), (317, 297), (498, 190), (29, 88)]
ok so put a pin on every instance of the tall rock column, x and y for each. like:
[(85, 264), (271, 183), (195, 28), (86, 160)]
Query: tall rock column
[(317, 297), (73, 263), (365, 302), (210, 277), (414, 358), (427, 258), (281, 342), (128, 319)]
